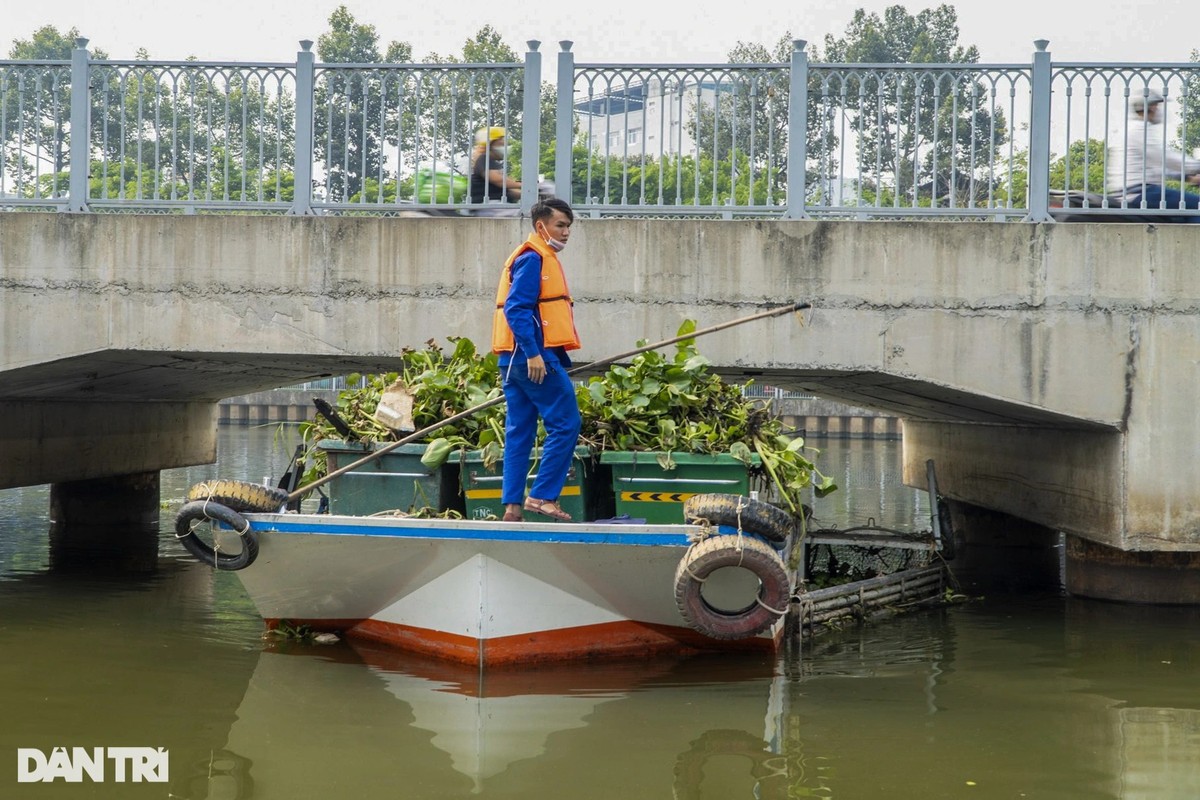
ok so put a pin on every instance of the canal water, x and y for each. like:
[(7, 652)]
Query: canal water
[(999, 697)]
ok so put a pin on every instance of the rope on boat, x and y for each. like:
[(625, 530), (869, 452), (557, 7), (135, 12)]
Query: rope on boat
[(707, 529)]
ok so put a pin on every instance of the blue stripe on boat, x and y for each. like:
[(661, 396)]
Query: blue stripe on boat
[(498, 534)]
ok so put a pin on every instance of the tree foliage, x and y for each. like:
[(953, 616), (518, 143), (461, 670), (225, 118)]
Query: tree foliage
[(931, 134), (467, 101), (156, 132), (1189, 131), (1081, 168), (745, 126), (36, 109), (348, 138)]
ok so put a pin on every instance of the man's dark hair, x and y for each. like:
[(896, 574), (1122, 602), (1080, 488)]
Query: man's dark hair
[(544, 209)]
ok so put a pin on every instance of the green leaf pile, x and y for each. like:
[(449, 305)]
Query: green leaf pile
[(655, 403), (665, 405), (442, 384)]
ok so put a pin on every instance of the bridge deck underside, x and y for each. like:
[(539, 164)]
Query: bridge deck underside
[(132, 376)]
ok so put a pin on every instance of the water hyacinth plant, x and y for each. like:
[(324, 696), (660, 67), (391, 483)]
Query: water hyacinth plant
[(441, 384), (677, 405)]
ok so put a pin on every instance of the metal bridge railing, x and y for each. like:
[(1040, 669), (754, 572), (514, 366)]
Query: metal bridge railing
[(775, 140)]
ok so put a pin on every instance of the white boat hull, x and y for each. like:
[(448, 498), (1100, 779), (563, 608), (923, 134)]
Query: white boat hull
[(486, 593)]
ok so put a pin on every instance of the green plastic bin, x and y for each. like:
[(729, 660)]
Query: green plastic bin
[(395, 480), (643, 489), (587, 494)]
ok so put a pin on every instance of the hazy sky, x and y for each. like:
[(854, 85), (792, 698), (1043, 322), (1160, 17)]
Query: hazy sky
[(632, 31)]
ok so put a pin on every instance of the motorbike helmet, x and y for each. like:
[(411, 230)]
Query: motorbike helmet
[(1142, 98), (489, 135)]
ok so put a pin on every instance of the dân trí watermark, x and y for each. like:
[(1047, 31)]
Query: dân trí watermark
[(95, 764)]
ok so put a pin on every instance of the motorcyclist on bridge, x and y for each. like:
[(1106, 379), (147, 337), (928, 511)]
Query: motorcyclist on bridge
[(489, 178), (1140, 162)]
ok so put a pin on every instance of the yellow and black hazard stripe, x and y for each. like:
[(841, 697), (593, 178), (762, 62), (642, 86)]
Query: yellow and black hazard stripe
[(655, 497)]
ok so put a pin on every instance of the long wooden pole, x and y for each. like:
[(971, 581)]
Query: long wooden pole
[(412, 437)]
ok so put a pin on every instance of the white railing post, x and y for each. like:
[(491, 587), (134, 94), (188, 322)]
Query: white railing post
[(1038, 201), (77, 186), (531, 127), (797, 132), (302, 189), (564, 121)]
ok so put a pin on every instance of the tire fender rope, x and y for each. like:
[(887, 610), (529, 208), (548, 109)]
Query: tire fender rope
[(197, 511), (707, 530), (207, 515), (710, 552), (746, 514)]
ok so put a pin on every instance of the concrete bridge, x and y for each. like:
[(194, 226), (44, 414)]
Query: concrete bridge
[(1048, 370)]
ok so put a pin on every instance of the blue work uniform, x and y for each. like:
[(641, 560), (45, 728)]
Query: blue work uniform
[(553, 399)]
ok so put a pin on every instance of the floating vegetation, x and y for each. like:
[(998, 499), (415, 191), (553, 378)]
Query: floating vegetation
[(286, 631), (441, 384)]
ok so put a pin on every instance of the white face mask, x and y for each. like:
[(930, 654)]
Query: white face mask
[(500, 152), (551, 242)]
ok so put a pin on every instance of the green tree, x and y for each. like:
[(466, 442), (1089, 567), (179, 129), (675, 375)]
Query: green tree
[(1081, 168), (211, 133), (36, 107), (158, 132), (921, 134), (1189, 131), (466, 101), (745, 127), (349, 103)]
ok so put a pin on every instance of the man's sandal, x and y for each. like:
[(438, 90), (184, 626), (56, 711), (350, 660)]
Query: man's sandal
[(547, 508), (512, 515)]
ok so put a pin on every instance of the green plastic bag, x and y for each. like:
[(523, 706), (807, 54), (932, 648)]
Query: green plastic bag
[(437, 186)]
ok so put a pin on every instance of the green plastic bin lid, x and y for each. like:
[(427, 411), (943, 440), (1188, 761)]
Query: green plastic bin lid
[(686, 459), (476, 456)]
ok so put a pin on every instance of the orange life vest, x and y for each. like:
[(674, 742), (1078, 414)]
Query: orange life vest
[(554, 302)]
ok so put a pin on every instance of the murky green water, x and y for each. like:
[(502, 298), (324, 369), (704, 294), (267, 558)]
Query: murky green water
[(1038, 697)]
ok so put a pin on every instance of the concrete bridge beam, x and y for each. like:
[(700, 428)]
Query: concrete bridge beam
[(63, 441)]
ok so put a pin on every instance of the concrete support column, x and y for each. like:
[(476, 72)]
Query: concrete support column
[(994, 551), (1095, 570), (106, 523)]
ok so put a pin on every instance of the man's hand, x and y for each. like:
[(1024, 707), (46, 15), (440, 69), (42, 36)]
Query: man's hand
[(537, 369)]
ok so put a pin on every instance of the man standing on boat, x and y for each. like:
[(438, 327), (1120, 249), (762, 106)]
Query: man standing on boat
[(533, 327)]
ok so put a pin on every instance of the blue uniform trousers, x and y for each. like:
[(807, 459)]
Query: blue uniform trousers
[(554, 401)]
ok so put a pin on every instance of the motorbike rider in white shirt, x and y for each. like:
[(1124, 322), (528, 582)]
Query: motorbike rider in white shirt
[(1140, 162)]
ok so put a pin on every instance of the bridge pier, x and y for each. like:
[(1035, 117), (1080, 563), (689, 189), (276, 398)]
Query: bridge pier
[(994, 551), (1095, 570), (105, 523), (1038, 482)]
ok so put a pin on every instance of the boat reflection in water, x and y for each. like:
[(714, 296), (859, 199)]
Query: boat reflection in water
[(396, 724)]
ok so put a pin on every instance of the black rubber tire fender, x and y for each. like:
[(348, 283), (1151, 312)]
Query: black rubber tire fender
[(736, 511), (769, 770), (706, 557), (198, 510), (239, 495)]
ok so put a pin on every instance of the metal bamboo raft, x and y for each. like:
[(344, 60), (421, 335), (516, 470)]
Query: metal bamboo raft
[(890, 571), (872, 597)]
